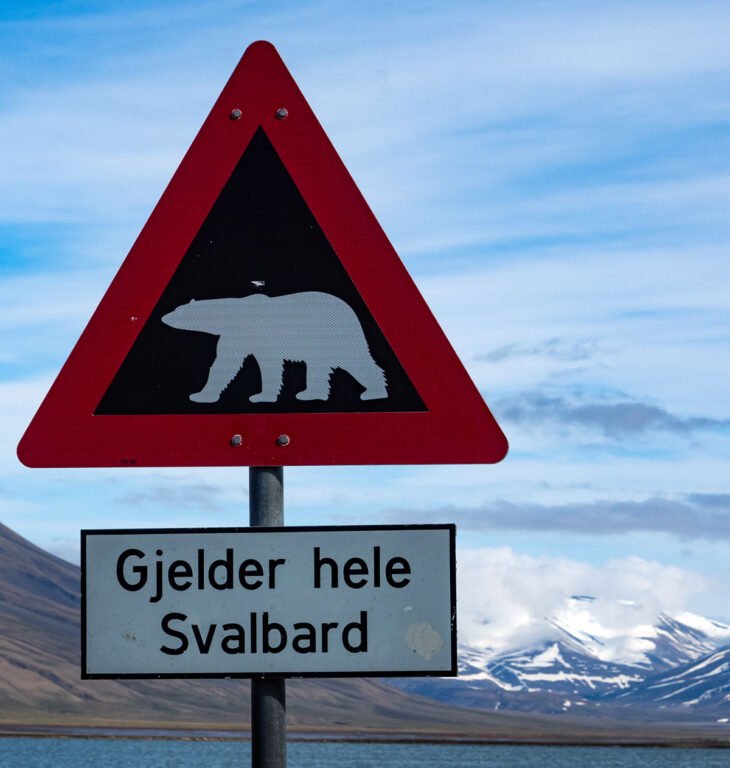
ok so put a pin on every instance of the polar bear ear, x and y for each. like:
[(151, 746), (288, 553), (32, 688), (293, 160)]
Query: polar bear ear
[(192, 301)]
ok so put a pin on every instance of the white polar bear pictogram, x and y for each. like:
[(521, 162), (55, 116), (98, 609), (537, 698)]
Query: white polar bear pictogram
[(315, 328)]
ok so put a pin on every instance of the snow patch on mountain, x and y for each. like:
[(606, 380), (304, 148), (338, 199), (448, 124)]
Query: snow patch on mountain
[(550, 657), (714, 629)]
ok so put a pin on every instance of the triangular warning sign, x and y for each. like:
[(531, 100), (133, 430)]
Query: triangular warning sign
[(262, 318)]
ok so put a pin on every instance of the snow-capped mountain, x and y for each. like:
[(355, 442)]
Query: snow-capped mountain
[(561, 668), (700, 684), (607, 630), (683, 639), (593, 657)]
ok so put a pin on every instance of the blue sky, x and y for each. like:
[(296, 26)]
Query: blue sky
[(556, 178)]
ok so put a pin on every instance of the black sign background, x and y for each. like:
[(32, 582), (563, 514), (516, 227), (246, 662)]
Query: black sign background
[(259, 229)]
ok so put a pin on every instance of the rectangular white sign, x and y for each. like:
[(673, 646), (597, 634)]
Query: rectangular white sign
[(291, 602)]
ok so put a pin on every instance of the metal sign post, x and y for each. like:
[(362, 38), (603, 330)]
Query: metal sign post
[(268, 695)]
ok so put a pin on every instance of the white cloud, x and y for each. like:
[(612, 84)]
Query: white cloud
[(505, 597), (120, 126)]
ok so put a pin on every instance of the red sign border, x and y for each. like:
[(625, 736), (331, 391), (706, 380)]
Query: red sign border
[(457, 427)]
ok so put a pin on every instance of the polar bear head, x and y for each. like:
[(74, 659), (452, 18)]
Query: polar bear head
[(188, 317), (205, 315), (216, 316)]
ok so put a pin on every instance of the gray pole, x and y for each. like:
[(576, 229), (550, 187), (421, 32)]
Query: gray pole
[(268, 695)]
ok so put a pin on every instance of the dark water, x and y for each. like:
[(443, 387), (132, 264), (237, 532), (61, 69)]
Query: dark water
[(104, 753)]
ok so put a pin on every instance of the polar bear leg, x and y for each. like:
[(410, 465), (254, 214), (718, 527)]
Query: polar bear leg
[(228, 361), (272, 373), (377, 391), (318, 383), (370, 375)]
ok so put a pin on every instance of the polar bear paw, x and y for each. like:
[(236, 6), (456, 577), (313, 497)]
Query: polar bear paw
[(204, 397)]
